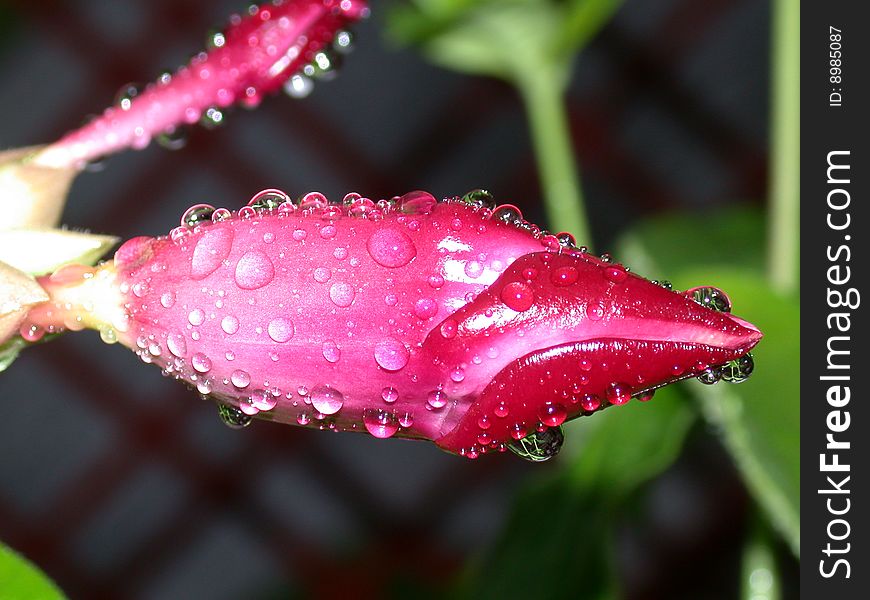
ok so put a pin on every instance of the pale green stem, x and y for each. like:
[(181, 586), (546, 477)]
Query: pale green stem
[(783, 257), (760, 579), (551, 136)]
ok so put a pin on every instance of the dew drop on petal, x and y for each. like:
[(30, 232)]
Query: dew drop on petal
[(167, 299), (618, 393), (280, 329), (341, 294), (595, 311), (211, 250), (448, 329), (326, 400), (322, 274), (380, 423), (230, 324), (254, 270), (240, 379), (331, 351), (518, 296), (552, 414), (615, 273), (176, 344), (425, 308), (389, 394), (201, 363), (437, 399), (391, 247), (196, 317), (564, 276), (391, 354)]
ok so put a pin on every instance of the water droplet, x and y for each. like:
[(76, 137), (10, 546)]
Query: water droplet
[(313, 201), (457, 374), (327, 232), (220, 214), (232, 417), (449, 329), (340, 253), (417, 202), (201, 362), (254, 270), (566, 240), (389, 394), (197, 214), (519, 431), (230, 324), (167, 299), (508, 214), (176, 344), (595, 311), (590, 402), (646, 396), (391, 300), (322, 274), (326, 400), (125, 96), (240, 379), (518, 296), (280, 329), (425, 308), (213, 117), (299, 234), (390, 247), (173, 138), (341, 294), (615, 274), (437, 399), (618, 393), (436, 281), (552, 414), (564, 276), (210, 252), (483, 422), (343, 42), (710, 376), (391, 354), (501, 410), (331, 351), (380, 423), (298, 86), (263, 400), (406, 420), (304, 418), (479, 199), (268, 199), (473, 269), (196, 317), (738, 370), (540, 445), (711, 297), (108, 334)]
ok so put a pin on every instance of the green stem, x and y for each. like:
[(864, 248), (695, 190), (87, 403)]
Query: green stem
[(551, 137), (784, 216)]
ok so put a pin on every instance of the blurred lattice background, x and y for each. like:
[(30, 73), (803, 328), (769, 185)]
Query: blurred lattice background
[(122, 484)]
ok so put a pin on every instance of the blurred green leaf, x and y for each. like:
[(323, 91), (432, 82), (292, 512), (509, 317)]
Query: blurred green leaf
[(759, 420), (559, 536), (20, 580)]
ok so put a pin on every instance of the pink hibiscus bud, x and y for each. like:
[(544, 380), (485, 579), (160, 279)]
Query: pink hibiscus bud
[(274, 44), (456, 321)]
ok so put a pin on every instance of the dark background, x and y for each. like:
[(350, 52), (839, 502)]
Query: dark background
[(120, 483)]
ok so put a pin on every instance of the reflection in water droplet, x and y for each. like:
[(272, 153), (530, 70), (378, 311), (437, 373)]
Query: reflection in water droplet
[(590, 402), (540, 445), (417, 202), (389, 394), (508, 214), (436, 399), (479, 199), (232, 417), (738, 370), (618, 393), (263, 400), (326, 400), (449, 328), (711, 297)]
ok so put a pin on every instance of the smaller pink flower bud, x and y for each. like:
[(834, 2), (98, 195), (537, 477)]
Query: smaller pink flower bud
[(272, 44)]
